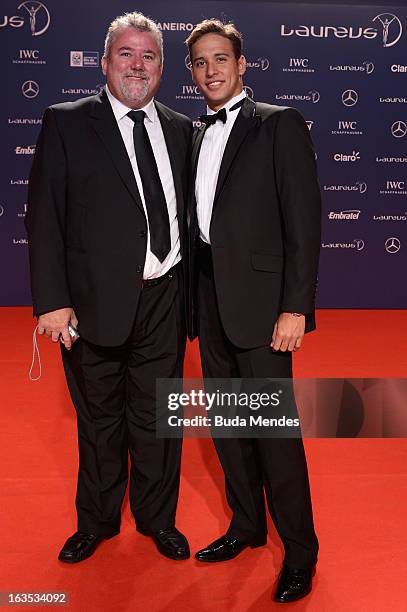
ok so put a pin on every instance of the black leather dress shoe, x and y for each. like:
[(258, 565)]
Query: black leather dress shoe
[(80, 546), (293, 584), (225, 548), (170, 542)]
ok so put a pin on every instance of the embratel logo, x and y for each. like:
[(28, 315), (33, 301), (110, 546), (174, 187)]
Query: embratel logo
[(189, 92), (261, 63), (359, 186), (349, 97), (344, 215), (399, 129), (343, 157), (356, 245), (169, 26), (311, 96), (298, 64), (394, 188), (29, 56), (30, 89), (29, 150), (347, 128), (34, 13), (392, 245), (84, 59), (389, 29)]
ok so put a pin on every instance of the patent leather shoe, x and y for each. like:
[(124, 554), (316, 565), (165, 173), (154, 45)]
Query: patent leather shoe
[(225, 548), (293, 584), (170, 542)]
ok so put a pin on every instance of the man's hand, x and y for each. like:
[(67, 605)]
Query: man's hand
[(288, 332), (55, 324)]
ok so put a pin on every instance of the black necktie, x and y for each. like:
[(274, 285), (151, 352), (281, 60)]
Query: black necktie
[(157, 212), (221, 114)]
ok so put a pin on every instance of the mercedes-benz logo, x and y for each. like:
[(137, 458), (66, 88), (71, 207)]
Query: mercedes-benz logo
[(1, 210), (399, 129), (309, 123), (39, 16), (392, 245), (188, 62), (349, 97), (249, 91), (30, 89), (360, 244)]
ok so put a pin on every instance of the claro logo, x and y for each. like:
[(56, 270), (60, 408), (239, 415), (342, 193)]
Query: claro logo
[(342, 157)]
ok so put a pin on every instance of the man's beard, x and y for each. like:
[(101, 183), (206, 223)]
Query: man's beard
[(137, 92)]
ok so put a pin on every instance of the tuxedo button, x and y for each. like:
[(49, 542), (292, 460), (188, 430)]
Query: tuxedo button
[(139, 269), (143, 233)]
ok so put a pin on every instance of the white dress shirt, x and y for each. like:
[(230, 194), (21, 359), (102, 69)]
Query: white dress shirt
[(153, 268), (209, 162)]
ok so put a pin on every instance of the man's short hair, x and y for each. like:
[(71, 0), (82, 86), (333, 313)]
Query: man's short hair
[(139, 22), (215, 26)]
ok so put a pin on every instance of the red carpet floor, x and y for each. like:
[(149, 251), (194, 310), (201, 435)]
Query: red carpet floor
[(359, 492)]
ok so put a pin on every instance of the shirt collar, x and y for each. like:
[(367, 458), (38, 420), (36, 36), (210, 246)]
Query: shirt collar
[(120, 110), (229, 104)]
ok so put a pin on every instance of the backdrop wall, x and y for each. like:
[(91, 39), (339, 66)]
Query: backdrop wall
[(344, 67)]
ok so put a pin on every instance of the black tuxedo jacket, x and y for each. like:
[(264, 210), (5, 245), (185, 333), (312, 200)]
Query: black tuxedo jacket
[(265, 230), (86, 226)]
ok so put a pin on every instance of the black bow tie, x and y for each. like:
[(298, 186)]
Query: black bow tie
[(212, 119), (221, 114)]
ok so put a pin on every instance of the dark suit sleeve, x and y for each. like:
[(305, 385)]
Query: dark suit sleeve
[(300, 202), (45, 220)]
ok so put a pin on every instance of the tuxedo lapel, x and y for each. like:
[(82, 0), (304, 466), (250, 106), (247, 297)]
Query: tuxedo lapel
[(106, 127), (196, 147), (172, 141), (245, 120)]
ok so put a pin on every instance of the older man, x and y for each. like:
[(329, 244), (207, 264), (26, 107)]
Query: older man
[(105, 224)]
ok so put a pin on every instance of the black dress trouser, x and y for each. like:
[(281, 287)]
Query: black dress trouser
[(113, 391), (276, 465)]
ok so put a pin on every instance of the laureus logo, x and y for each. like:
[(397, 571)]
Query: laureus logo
[(249, 91), (392, 28), (39, 16)]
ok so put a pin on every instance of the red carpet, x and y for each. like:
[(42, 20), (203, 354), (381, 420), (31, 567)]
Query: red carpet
[(359, 492)]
